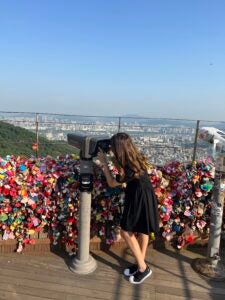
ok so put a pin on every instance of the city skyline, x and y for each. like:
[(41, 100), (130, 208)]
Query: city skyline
[(153, 59), (160, 140)]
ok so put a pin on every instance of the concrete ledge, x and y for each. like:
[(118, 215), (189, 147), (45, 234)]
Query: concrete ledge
[(44, 245), (41, 245)]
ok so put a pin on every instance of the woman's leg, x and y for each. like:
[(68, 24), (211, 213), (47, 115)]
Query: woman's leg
[(143, 240), (133, 244)]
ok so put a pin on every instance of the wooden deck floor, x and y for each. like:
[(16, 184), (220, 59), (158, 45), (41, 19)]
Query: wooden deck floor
[(46, 276)]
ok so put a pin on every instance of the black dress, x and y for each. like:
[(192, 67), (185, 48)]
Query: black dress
[(140, 212)]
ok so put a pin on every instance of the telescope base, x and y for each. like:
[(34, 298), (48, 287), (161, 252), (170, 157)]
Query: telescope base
[(83, 267), (207, 270)]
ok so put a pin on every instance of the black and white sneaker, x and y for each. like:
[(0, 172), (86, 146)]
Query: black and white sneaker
[(130, 270), (139, 277)]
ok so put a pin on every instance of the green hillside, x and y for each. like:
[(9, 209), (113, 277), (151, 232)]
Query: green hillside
[(15, 140)]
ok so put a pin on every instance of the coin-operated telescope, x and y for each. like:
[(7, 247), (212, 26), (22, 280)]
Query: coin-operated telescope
[(215, 137), (210, 267), (89, 147)]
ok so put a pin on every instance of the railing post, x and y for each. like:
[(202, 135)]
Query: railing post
[(119, 125), (195, 143), (37, 135)]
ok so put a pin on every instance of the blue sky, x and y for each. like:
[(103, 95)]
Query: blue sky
[(161, 58)]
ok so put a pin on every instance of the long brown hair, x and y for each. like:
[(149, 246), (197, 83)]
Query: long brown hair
[(127, 155)]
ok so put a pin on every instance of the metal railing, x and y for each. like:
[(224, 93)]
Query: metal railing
[(161, 139)]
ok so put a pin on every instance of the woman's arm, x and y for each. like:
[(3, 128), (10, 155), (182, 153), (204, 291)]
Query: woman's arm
[(109, 178), (104, 166)]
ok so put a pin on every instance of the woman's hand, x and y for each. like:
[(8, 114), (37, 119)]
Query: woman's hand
[(103, 163), (101, 156)]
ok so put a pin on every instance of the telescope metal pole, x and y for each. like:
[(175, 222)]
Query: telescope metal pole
[(210, 266), (84, 263), (216, 221)]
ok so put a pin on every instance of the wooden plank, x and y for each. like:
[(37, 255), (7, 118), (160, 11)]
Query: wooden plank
[(170, 258), (117, 296), (4, 295), (109, 276), (170, 292), (103, 282), (87, 286), (179, 277), (184, 284), (58, 265), (51, 273), (159, 296), (24, 290)]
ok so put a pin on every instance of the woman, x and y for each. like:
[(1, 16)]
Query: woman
[(140, 214)]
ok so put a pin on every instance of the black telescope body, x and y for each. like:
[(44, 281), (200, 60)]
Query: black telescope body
[(89, 145)]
